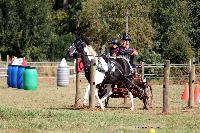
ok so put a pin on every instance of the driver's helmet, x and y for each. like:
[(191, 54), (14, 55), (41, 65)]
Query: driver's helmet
[(126, 37)]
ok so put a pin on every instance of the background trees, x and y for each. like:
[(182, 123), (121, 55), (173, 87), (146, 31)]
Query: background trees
[(30, 28), (43, 30), (171, 21), (195, 26), (26, 28)]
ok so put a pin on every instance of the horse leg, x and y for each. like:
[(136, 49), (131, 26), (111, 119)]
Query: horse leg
[(108, 93), (128, 86), (148, 98), (99, 100), (106, 102), (86, 96)]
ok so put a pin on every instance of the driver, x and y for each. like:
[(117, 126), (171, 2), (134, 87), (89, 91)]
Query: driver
[(125, 51)]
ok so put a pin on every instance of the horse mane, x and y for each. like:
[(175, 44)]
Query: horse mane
[(90, 48)]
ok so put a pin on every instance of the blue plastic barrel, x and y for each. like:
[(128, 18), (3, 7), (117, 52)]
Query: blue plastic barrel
[(14, 76), (9, 71), (20, 79)]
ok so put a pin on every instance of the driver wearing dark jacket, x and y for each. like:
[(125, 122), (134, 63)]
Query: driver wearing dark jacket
[(125, 51)]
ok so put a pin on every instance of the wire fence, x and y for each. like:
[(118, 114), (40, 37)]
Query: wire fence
[(176, 70), (47, 71)]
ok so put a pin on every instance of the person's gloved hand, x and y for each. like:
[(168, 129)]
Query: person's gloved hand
[(134, 52)]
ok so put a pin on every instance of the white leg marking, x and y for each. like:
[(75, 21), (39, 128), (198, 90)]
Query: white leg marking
[(86, 96), (131, 97), (98, 99)]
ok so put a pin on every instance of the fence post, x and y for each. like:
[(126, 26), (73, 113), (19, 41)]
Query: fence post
[(92, 84), (191, 86), (166, 86), (142, 67), (78, 87)]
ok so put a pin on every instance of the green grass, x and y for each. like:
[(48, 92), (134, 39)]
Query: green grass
[(49, 110)]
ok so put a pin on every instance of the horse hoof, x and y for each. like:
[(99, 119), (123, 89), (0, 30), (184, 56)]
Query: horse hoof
[(132, 108), (84, 106), (103, 108)]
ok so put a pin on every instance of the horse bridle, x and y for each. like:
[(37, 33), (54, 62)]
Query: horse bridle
[(75, 49)]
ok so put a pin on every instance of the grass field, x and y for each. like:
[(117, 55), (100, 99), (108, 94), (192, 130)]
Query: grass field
[(49, 109)]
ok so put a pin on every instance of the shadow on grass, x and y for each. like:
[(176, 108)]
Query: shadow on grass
[(86, 108)]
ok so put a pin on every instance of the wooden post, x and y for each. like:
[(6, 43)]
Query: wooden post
[(65, 2), (126, 17), (142, 67), (166, 86), (78, 86), (7, 59), (198, 55), (92, 84), (191, 86)]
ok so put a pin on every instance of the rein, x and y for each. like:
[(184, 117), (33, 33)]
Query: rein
[(130, 81)]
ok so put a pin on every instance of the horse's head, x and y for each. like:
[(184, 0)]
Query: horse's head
[(77, 47), (81, 47)]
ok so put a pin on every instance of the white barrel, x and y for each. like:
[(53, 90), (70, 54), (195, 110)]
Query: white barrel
[(63, 75)]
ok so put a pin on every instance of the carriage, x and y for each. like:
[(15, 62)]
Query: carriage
[(115, 78), (120, 91)]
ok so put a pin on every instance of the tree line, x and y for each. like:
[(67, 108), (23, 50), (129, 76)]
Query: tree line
[(42, 30)]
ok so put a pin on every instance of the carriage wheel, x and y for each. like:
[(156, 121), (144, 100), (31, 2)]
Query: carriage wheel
[(148, 98)]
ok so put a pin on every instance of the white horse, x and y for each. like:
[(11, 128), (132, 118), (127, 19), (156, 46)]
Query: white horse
[(108, 72)]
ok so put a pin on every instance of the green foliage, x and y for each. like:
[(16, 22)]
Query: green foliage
[(61, 39), (171, 20), (26, 28), (149, 56), (9, 25), (29, 28), (59, 18), (59, 47), (74, 7), (195, 29), (42, 31), (105, 19)]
